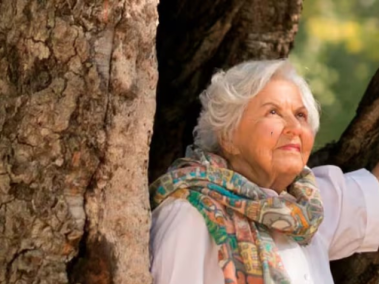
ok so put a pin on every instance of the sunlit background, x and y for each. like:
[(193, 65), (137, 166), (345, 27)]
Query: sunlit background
[(337, 50)]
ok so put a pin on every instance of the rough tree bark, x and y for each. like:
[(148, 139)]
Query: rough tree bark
[(77, 100)]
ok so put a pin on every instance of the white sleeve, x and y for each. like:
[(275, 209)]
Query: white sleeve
[(351, 208), (182, 250)]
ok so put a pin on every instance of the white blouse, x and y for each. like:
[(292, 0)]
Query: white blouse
[(183, 252)]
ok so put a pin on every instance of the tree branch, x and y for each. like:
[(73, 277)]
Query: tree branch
[(358, 145)]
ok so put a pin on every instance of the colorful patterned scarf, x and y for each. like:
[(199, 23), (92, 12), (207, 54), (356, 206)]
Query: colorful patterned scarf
[(239, 215)]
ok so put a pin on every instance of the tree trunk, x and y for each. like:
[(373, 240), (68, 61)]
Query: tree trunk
[(77, 100)]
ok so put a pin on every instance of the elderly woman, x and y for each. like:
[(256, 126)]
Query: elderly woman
[(242, 206)]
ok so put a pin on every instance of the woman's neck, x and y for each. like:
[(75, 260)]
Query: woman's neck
[(272, 180)]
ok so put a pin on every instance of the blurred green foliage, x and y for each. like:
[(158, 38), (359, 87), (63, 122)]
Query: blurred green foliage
[(337, 50)]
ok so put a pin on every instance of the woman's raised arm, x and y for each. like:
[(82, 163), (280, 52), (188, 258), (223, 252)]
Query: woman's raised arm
[(351, 222)]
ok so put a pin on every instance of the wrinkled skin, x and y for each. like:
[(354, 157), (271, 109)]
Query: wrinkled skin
[(274, 139)]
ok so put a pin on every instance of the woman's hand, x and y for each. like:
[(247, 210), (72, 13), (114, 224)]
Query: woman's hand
[(375, 171)]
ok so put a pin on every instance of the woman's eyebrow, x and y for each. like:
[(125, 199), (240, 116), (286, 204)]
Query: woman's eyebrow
[(271, 104), (302, 108), (278, 106)]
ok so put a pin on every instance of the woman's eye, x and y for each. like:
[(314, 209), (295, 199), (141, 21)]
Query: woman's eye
[(302, 115), (273, 111)]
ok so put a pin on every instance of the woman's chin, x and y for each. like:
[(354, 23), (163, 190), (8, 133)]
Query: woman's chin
[(289, 166)]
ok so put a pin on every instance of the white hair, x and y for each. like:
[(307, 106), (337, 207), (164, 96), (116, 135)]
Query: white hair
[(225, 99)]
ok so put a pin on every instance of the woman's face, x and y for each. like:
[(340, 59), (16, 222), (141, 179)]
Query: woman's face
[(274, 136)]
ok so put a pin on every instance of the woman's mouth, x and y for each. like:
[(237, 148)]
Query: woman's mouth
[(291, 147)]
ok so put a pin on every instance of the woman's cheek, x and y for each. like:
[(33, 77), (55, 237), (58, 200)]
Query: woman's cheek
[(274, 130), (308, 139), (267, 126)]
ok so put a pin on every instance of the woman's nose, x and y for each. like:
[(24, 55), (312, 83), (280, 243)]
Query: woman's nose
[(293, 125)]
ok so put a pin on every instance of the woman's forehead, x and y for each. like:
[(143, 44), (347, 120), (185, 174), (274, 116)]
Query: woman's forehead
[(279, 93)]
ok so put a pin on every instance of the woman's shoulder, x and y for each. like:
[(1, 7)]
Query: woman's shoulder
[(177, 218), (179, 241), (327, 171), (337, 179), (174, 210)]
